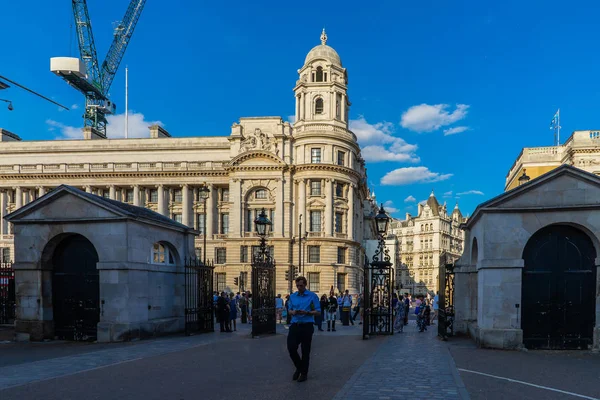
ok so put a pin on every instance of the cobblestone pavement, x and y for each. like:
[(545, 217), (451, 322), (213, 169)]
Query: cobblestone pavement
[(409, 365), (213, 366)]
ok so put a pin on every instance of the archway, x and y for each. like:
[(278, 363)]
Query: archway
[(558, 289), (75, 289)]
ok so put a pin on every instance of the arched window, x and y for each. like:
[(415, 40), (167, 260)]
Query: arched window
[(260, 194), (161, 254), (319, 106), (319, 77)]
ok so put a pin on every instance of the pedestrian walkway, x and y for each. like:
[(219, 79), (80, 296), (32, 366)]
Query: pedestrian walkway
[(409, 365)]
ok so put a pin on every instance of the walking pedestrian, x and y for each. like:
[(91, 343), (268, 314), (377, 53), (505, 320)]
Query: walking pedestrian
[(303, 306), (400, 314), (223, 312), (346, 308), (322, 317), (358, 308), (279, 307), (406, 307), (331, 311), (436, 307), (244, 308), (233, 306)]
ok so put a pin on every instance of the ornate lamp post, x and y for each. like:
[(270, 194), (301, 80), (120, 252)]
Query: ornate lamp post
[(379, 285), (263, 282), (204, 192), (523, 178)]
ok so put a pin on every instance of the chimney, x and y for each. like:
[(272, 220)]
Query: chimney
[(407, 216), (157, 131), (7, 136), (90, 133)]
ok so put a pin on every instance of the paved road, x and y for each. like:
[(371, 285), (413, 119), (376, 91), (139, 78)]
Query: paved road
[(225, 366), (577, 372)]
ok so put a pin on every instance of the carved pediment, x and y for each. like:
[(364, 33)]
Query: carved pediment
[(258, 140), (257, 158)]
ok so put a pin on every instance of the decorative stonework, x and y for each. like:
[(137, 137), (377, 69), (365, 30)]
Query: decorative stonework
[(258, 140)]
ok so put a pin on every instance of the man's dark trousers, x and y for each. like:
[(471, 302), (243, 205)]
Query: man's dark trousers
[(300, 335)]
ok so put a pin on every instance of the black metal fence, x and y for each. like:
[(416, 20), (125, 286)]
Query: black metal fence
[(199, 308), (446, 301), (378, 287), (7, 293)]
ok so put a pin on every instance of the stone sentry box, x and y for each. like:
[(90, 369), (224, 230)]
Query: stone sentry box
[(141, 289)]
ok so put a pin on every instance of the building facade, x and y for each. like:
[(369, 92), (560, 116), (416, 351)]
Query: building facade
[(581, 150), (425, 241), (309, 176)]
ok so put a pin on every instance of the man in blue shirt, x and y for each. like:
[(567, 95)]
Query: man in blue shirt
[(303, 306)]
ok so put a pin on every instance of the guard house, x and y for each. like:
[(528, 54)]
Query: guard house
[(529, 272), (88, 268)]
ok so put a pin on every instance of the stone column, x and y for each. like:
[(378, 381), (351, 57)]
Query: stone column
[(329, 207), (3, 204), (302, 106), (112, 192), (18, 197), (351, 212), (302, 206), (210, 212), (343, 105), (88, 189), (278, 228), (136, 195), (161, 200), (186, 206)]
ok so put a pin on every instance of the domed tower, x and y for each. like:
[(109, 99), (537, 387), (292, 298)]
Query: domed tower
[(321, 91), (329, 173)]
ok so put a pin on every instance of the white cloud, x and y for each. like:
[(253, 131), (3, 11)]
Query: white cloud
[(448, 194), (291, 119), (74, 106), (389, 207), (379, 144), (478, 192), (455, 130), (410, 199), (138, 127), (428, 118), (408, 175)]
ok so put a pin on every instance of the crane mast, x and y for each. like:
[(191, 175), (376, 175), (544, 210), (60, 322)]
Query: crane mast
[(85, 74)]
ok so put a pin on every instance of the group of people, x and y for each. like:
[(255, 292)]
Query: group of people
[(229, 306), (423, 304)]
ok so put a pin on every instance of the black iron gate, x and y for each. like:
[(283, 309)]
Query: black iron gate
[(378, 288), (7, 293), (446, 300), (199, 307), (76, 290), (263, 294)]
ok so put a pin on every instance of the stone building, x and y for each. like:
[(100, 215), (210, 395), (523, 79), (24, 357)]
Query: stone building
[(529, 274), (581, 149), (425, 240), (310, 173)]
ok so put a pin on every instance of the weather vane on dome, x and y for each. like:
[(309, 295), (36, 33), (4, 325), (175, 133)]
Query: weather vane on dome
[(323, 37)]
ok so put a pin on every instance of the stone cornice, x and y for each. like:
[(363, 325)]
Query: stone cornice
[(97, 175), (328, 167)]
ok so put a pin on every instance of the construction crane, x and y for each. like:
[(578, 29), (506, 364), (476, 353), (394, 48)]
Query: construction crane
[(86, 74)]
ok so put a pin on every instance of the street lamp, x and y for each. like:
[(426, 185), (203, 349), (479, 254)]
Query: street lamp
[(10, 106), (382, 221), (204, 192), (523, 178), (262, 224)]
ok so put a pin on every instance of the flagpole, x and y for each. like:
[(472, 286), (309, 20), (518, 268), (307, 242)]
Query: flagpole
[(126, 102), (558, 130)]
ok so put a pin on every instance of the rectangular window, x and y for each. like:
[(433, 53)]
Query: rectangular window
[(314, 254), (313, 281), (220, 255), (341, 255), (129, 196), (154, 196), (201, 227), (315, 156), (225, 195), (178, 218), (339, 219), (5, 254), (315, 221), (341, 282), (341, 158), (339, 190), (315, 188), (243, 281), (198, 252), (177, 196), (221, 278), (225, 223), (106, 194), (260, 194), (244, 254)]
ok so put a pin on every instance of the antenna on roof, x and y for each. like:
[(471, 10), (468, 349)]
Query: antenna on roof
[(555, 125)]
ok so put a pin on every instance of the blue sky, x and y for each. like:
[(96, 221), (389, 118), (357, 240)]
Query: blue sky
[(495, 72)]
